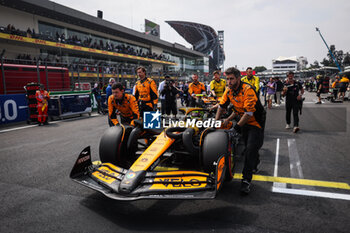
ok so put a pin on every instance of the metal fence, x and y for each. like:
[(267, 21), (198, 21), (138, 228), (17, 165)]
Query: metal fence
[(59, 76)]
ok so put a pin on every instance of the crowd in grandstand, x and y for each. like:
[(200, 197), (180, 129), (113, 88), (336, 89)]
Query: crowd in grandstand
[(85, 42)]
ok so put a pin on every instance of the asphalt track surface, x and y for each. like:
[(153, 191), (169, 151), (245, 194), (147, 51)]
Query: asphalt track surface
[(303, 185)]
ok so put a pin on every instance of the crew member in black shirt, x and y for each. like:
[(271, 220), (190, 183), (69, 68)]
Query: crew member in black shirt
[(293, 92)]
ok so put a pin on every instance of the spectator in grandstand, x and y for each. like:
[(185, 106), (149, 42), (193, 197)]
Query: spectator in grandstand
[(344, 83), (108, 94), (96, 91), (251, 79), (162, 96), (123, 104), (217, 85), (170, 91), (271, 90), (195, 88), (293, 92), (145, 91)]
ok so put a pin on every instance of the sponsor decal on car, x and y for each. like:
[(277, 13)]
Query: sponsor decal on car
[(180, 182), (130, 175)]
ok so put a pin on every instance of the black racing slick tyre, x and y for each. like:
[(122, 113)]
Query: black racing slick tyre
[(110, 145), (215, 145)]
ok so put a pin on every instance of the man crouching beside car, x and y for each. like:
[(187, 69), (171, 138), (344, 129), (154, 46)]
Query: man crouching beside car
[(123, 104)]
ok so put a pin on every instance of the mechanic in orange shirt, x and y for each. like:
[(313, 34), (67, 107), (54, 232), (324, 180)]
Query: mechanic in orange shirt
[(195, 88), (146, 92), (124, 104), (42, 98), (251, 122)]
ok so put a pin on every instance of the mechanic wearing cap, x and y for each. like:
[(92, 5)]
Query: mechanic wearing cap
[(251, 79), (217, 85), (195, 88), (42, 97), (123, 104), (145, 91), (251, 124), (293, 92)]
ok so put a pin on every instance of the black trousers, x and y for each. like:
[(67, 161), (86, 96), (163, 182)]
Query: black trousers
[(163, 106), (253, 140), (292, 106), (171, 107), (144, 108)]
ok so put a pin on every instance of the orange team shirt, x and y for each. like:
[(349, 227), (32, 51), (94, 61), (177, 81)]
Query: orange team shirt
[(196, 88), (146, 90), (127, 107), (244, 101)]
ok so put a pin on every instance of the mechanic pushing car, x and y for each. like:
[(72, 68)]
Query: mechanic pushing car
[(123, 103), (145, 91), (195, 88), (251, 124)]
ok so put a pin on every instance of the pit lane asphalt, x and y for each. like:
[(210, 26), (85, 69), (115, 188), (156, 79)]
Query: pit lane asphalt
[(37, 195)]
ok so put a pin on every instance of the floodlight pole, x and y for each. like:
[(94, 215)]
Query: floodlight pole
[(318, 30)]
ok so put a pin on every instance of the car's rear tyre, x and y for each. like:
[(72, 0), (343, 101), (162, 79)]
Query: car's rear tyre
[(215, 144), (110, 145)]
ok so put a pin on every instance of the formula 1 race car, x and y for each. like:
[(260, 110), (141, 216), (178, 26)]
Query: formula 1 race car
[(205, 101), (175, 163)]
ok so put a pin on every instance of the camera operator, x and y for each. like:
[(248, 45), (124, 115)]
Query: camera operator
[(170, 92)]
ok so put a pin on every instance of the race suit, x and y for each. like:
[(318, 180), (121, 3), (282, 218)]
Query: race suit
[(42, 97)]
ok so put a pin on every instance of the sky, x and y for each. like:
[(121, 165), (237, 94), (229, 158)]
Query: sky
[(255, 31)]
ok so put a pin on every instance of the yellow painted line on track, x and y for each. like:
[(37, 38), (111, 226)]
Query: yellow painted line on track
[(319, 183)]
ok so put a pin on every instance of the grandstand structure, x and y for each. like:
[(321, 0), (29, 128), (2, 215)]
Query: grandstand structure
[(92, 48), (204, 39)]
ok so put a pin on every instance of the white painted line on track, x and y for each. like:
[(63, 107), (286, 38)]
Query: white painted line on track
[(30, 126), (311, 193), (275, 172), (295, 166), (17, 128)]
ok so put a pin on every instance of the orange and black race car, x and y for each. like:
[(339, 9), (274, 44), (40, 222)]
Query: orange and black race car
[(175, 163), (205, 101)]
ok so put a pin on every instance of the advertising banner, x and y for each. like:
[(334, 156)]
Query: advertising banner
[(152, 28), (13, 108)]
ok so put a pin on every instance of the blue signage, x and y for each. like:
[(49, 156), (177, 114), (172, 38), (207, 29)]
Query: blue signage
[(13, 108)]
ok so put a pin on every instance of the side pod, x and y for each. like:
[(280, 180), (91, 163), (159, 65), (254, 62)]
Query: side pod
[(82, 164)]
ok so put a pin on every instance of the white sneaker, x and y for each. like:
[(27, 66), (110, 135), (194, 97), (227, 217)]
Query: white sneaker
[(288, 126), (296, 129)]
